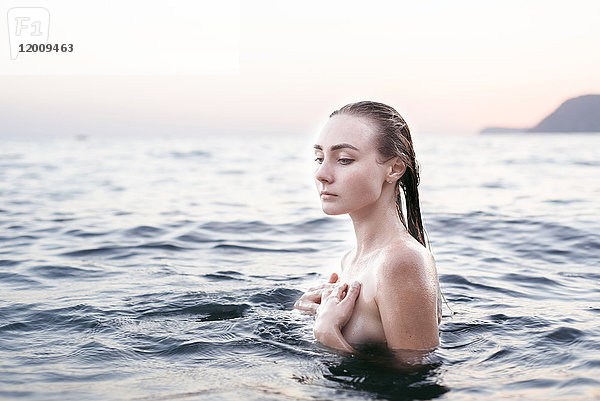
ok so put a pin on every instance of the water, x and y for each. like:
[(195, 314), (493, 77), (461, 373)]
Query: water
[(166, 268)]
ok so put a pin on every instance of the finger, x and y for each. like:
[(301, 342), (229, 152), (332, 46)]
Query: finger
[(306, 306), (339, 290), (299, 304), (352, 294), (320, 287), (316, 295), (325, 294), (313, 296), (333, 278)]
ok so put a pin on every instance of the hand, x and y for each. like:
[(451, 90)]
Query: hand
[(337, 306), (311, 299)]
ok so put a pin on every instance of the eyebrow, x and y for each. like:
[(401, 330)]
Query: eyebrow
[(337, 147)]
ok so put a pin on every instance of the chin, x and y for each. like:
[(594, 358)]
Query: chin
[(332, 211)]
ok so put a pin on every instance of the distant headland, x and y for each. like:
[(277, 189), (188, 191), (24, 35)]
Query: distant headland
[(578, 114)]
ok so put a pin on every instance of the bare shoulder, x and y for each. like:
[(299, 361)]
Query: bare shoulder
[(403, 260), (407, 268), (407, 296)]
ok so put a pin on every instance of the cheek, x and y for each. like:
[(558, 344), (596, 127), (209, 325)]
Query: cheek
[(365, 187)]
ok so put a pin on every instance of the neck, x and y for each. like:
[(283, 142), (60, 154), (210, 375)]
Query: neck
[(377, 224)]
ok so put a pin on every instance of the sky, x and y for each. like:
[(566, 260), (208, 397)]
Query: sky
[(283, 66)]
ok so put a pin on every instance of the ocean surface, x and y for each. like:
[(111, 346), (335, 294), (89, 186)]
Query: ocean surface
[(166, 268)]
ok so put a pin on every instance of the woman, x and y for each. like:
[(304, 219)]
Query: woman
[(388, 290)]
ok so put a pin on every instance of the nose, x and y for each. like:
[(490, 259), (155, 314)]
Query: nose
[(323, 173)]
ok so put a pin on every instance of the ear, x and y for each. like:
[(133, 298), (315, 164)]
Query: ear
[(397, 169)]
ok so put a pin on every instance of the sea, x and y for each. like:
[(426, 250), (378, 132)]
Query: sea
[(165, 267)]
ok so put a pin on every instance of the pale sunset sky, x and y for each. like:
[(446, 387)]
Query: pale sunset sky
[(448, 67)]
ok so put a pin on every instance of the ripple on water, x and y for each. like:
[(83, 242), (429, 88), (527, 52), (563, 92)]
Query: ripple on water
[(371, 374), (280, 330), (207, 311), (532, 239), (520, 322), (198, 348), (501, 354), (18, 279), (224, 275), (33, 318), (163, 245), (279, 298), (8, 262), (243, 248), (313, 225), (461, 283), (531, 280), (197, 238), (239, 227), (86, 234), (191, 154), (562, 336), (121, 251), (101, 251), (96, 352), (143, 231), (62, 271)]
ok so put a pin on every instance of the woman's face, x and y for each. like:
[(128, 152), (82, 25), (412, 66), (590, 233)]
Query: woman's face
[(347, 175)]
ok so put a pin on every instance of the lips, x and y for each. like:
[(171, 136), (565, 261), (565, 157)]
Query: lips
[(327, 196)]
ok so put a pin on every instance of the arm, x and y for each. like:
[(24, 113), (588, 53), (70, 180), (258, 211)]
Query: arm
[(334, 312), (407, 301), (311, 299)]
